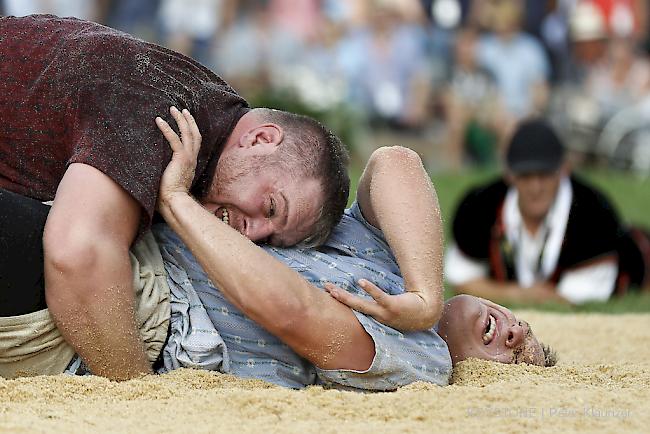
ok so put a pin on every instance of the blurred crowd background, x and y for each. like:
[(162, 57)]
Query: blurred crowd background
[(448, 78)]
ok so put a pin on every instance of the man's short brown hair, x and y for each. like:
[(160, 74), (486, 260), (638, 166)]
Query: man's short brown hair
[(310, 150), (550, 355)]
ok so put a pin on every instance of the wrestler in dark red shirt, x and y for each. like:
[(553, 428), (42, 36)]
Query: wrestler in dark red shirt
[(78, 102), (75, 92)]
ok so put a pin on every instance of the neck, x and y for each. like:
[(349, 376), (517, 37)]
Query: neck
[(532, 224)]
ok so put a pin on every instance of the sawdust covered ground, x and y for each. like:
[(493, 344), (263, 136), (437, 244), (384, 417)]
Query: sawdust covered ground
[(602, 383)]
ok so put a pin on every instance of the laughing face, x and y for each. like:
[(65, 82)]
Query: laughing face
[(261, 201), (475, 327)]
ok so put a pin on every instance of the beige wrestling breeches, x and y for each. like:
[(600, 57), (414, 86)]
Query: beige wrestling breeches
[(32, 345)]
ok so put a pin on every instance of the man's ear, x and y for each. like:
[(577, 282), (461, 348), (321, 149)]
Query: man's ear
[(265, 138)]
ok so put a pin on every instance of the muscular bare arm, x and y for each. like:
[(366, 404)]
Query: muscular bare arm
[(313, 324), (88, 276), (395, 195)]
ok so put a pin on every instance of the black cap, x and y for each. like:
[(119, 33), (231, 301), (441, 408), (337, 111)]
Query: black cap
[(534, 148)]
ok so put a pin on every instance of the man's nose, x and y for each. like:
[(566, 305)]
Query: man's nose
[(537, 183), (259, 229), (516, 334)]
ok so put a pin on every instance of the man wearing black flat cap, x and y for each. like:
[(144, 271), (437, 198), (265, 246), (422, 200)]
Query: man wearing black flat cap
[(538, 234)]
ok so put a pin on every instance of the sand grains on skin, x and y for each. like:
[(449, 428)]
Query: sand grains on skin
[(599, 385)]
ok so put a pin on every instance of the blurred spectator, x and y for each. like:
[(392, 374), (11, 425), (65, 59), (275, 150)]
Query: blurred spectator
[(252, 49), (620, 89), (407, 64), (594, 22), (540, 234), (516, 60), (445, 16), (615, 77), (316, 77), (470, 103), (623, 18), (386, 65), (621, 79), (301, 18), (136, 17), (554, 33), (191, 26), (589, 33)]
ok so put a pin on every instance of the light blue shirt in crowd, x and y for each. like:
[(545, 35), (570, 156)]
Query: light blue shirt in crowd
[(208, 332), (516, 64)]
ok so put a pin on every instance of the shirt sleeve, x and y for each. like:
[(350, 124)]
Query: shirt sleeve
[(355, 211), (121, 85), (460, 268), (400, 359), (121, 140), (591, 283)]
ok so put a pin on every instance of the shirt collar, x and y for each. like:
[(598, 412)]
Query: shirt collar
[(556, 216), (555, 222)]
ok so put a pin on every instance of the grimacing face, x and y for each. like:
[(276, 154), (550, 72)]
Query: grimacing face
[(262, 201), (475, 327), (536, 192)]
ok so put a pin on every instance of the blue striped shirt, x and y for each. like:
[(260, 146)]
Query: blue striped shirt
[(208, 332)]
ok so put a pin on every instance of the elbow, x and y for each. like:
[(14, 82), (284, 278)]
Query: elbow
[(68, 261), (432, 316), (68, 250), (391, 155)]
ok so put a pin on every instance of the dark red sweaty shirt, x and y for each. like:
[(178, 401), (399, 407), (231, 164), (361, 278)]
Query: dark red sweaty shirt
[(73, 91)]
